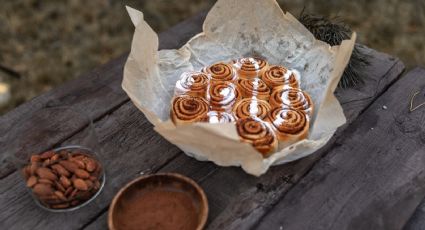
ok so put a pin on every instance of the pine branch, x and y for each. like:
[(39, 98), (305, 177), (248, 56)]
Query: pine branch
[(334, 31)]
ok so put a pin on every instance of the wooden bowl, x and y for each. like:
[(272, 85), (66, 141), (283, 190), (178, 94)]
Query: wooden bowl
[(159, 201)]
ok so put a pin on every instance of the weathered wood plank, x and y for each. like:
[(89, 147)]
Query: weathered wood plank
[(86, 92), (197, 170), (236, 199), (248, 203), (213, 178), (417, 220), (373, 179), (129, 144), (381, 72), (90, 90), (125, 154)]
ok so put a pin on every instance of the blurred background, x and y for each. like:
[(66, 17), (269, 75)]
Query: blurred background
[(45, 43)]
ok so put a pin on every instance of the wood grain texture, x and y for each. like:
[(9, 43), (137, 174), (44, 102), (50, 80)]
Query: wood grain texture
[(245, 208), (238, 200), (130, 146), (373, 178), (380, 74), (128, 149), (89, 91), (417, 220), (197, 171)]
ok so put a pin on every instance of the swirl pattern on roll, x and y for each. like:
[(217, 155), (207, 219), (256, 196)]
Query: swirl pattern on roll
[(254, 88), (238, 93), (290, 125), (251, 107), (222, 96), (192, 83), (293, 98), (249, 68), (278, 75), (188, 109), (216, 117), (257, 133), (220, 72)]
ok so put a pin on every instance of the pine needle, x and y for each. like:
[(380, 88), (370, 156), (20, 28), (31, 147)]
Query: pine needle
[(334, 31)]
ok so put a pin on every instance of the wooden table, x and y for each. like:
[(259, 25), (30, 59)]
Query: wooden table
[(371, 175)]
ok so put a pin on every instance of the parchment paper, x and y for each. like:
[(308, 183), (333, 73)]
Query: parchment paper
[(234, 29)]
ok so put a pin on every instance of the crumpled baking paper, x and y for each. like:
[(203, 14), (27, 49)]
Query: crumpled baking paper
[(234, 29)]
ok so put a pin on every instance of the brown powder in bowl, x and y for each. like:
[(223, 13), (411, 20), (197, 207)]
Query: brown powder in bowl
[(157, 208)]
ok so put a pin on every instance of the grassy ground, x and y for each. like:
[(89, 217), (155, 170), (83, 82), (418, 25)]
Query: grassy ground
[(44, 43)]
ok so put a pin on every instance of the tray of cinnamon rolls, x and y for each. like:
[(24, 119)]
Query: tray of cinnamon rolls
[(251, 91), (264, 101)]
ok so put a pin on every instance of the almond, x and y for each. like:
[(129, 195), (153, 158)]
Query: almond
[(84, 195), (68, 165), (46, 173), (83, 174), (80, 184), (98, 170), (59, 206), (61, 170), (90, 165), (45, 181), (51, 199), (35, 158), (65, 182), (89, 184), (26, 171), (47, 155), (55, 157), (96, 185), (78, 162), (42, 189), (47, 162), (79, 156), (60, 186), (73, 194), (33, 168), (31, 181), (60, 195), (68, 191)]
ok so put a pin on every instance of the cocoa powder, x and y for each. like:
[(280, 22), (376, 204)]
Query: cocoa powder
[(157, 208)]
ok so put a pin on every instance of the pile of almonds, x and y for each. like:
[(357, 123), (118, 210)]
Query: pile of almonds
[(63, 179)]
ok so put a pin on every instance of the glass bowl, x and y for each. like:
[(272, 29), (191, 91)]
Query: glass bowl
[(58, 154)]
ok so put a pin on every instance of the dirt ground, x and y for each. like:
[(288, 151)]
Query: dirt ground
[(44, 43)]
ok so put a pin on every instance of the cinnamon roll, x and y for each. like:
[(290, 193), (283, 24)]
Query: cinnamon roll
[(238, 93), (187, 109), (290, 125), (249, 68), (257, 133), (220, 72), (293, 98), (192, 83), (251, 107), (218, 117), (278, 76), (222, 95), (254, 88)]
